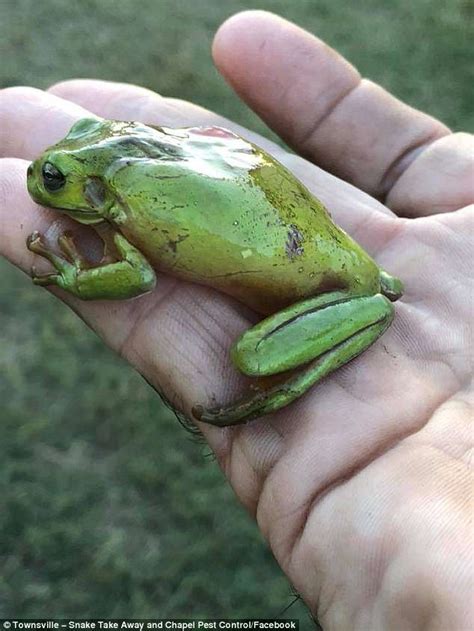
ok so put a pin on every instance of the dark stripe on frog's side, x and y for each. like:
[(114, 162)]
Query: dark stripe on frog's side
[(152, 150), (164, 177)]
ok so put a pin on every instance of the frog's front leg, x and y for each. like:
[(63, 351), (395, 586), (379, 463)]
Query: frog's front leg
[(315, 336), (130, 276)]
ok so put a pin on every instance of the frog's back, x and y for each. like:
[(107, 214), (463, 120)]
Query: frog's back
[(226, 214)]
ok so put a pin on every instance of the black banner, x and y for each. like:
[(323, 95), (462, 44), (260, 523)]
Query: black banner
[(197, 624)]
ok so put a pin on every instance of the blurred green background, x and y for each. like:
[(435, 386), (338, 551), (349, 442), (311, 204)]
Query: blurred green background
[(107, 507)]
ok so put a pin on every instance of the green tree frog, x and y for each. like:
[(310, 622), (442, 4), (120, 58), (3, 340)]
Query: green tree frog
[(204, 204)]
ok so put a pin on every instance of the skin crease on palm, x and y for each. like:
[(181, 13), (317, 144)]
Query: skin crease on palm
[(362, 487)]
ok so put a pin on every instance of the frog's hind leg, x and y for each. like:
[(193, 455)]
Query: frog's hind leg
[(315, 336)]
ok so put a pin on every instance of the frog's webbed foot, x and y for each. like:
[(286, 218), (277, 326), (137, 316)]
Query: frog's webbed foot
[(67, 264)]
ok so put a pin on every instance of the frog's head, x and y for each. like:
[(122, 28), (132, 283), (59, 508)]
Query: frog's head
[(74, 175), (69, 176)]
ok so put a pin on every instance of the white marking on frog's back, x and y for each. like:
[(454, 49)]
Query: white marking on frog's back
[(217, 152), (246, 253)]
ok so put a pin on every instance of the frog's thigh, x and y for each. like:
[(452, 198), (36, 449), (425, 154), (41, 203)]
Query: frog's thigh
[(307, 330)]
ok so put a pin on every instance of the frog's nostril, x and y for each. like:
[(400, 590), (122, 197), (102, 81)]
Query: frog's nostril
[(29, 172)]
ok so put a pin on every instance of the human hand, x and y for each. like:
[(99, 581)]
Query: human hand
[(361, 488)]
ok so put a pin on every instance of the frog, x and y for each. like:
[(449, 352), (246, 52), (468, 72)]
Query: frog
[(208, 206)]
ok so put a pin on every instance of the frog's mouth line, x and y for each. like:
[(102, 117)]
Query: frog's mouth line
[(82, 216)]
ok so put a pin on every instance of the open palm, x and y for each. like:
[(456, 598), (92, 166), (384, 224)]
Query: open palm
[(362, 487)]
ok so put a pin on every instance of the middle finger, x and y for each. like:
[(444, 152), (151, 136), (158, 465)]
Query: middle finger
[(23, 112)]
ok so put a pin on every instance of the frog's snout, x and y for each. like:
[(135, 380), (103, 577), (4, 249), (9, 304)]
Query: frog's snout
[(30, 176), (31, 182)]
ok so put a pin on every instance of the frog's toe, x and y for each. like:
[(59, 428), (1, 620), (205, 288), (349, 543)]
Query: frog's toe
[(241, 411), (68, 247), (43, 280), (33, 236), (35, 243)]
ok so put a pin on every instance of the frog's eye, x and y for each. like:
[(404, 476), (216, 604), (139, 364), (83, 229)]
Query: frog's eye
[(53, 179)]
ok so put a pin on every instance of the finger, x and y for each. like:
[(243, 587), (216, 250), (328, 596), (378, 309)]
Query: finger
[(440, 180), (317, 102), (354, 210), (126, 101), (26, 121)]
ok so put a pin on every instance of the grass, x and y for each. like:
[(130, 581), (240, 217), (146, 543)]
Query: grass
[(107, 507)]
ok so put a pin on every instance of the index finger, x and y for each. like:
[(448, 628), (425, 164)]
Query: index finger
[(27, 116)]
